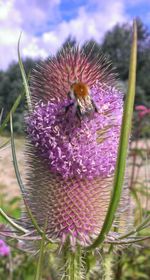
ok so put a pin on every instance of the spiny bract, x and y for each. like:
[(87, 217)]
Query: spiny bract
[(70, 162)]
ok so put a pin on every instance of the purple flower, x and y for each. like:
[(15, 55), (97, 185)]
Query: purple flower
[(72, 149), (4, 249), (71, 161)]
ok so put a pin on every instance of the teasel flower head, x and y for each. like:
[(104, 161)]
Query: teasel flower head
[(72, 142)]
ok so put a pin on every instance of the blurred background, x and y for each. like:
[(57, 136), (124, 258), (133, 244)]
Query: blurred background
[(46, 27)]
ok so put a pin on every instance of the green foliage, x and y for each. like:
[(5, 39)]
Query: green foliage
[(10, 206), (17, 266), (68, 42), (133, 263), (11, 86), (117, 45)]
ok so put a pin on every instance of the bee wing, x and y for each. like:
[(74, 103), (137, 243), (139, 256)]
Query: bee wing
[(71, 95), (92, 102)]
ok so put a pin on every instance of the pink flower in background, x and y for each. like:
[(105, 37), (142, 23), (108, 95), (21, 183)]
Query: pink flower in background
[(4, 249), (142, 111)]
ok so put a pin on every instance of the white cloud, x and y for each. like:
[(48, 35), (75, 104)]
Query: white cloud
[(29, 17), (37, 14), (135, 2), (9, 31), (17, 16), (86, 25), (32, 48)]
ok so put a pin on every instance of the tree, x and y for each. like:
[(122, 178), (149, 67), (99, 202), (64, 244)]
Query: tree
[(10, 87), (117, 44)]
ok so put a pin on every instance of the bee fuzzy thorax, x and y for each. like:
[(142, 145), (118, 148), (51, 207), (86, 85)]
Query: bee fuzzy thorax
[(80, 90), (82, 100)]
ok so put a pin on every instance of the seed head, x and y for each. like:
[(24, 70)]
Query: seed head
[(71, 160)]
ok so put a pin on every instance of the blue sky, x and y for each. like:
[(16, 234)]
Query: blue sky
[(45, 24)]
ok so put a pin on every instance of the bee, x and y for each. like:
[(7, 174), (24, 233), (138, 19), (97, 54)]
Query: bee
[(81, 99)]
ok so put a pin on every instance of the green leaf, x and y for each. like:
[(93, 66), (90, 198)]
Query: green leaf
[(140, 259), (138, 203), (123, 145), (141, 275), (90, 260), (20, 183), (41, 255), (12, 110), (25, 81), (4, 144)]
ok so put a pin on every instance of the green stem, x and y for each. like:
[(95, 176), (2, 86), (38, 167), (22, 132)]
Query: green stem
[(118, 273), (137, 229), (138, 203), (88, 276), (41, 255), (123, 146), (11, 222), (12, 110), (73, 264), (24, 78), (129, 241), (108, 272)]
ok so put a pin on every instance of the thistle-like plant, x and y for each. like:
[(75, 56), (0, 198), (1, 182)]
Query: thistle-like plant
[(76, 149)]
